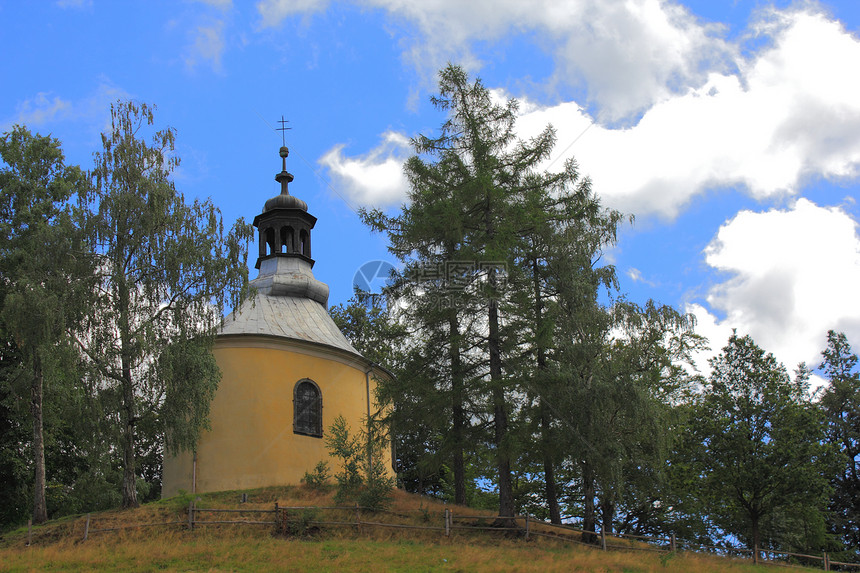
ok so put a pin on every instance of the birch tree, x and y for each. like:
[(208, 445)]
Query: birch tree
[(166, 270), (39, 249)]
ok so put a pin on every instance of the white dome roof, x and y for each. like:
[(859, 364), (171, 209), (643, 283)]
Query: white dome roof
[(297, 318)]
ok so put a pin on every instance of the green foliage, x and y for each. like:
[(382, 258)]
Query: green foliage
[(81, 474), (841, 406), (666, 557), (40, 264), (165, 270), (180, 501), (476, 196), (517, 372), (761, 454), (371, 329), (15, 435), (318, 478), (297, 523), (108, 309), (377, 333), (189, 374), (363, 477), (425, 513), (348, 450), (48, 271)]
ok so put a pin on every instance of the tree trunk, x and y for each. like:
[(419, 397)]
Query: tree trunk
[(128, 419), (500, 414), (548, 470), (756, 537), (129, 477), (607, 513), (503, 462), (589, 522), (546, 438), (458, 413), (40, 508)]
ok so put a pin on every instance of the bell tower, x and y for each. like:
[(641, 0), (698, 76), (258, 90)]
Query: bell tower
[(285, 224), (287, 370), (284, 259)]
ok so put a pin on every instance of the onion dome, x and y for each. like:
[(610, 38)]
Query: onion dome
[(285, 224), (290, 302), (284, 200)]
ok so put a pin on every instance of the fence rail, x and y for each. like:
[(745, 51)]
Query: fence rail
[(283, 516)]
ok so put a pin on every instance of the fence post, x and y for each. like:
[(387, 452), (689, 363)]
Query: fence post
[(277, 521), (527, 527), (826, 561), (673, 544), (29, 531), (358, 518), (447, 523), (87, 528), (191, 515), (603, 538)]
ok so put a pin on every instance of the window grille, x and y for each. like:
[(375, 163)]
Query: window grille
[(307, 405)]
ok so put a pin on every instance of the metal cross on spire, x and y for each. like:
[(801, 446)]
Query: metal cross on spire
[(283, 129)]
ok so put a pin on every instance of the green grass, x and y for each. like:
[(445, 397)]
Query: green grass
[(59, 546), (239, 551)]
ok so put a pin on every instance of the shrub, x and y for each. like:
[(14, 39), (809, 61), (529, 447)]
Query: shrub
[(318, 478), (297, 523), (363, 477)]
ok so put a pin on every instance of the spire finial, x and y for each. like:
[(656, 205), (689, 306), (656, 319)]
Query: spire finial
[(285, 152), (283, 129)]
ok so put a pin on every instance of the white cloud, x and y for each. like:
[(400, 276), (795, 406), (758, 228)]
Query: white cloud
[(47, 110), (207, 46), (42, 109), (636, 276), (792, 112), (207, 41), (792, 275), (626, 55), (75, 3), (633, 54), (376, 178), (273, 12)]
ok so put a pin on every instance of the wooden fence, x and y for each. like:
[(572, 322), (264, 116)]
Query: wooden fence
[(287, 520)]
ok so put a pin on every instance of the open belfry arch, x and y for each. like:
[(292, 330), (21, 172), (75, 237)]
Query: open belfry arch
[(287, 370)]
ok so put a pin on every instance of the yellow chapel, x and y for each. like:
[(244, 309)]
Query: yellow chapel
[(287, 370)]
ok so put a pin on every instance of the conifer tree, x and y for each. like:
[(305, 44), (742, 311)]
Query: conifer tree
[(475, 194), (558, 269), (841, 406)]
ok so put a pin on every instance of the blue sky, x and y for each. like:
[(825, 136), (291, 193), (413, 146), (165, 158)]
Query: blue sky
[(731, 130)]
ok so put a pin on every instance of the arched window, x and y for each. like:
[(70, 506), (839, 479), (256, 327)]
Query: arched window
[(305, 243), (307, 408), (270, 241), (287, 245)]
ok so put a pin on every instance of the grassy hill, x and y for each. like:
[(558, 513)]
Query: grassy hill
[(60, 545)]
